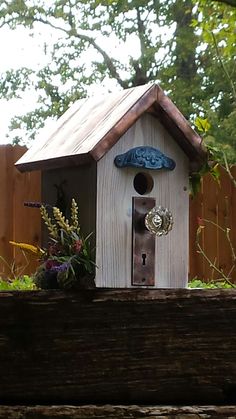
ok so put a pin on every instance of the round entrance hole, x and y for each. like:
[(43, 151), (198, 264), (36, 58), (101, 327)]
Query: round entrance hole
[(143, 183)]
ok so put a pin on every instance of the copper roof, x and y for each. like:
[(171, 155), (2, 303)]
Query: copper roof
[(90, 127)]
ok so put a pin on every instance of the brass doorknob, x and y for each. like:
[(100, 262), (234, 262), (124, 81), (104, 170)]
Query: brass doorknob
[(159, 221)]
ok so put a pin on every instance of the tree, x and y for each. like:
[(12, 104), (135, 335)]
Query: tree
[(229, 2), (218, 33), (189, 62)]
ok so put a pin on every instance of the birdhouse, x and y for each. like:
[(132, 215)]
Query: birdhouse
[(125, 158)]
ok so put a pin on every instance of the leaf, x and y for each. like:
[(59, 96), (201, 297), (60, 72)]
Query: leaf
[(202, 124), (195, 184), (29, 248), (215, 173)]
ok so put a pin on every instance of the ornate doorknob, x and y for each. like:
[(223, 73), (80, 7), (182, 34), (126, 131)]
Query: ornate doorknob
[(159, 221)]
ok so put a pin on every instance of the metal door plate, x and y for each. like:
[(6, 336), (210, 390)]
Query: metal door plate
[(143, 263)]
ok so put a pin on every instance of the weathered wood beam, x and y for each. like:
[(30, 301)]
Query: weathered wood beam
[(117, 412), (118, 346)]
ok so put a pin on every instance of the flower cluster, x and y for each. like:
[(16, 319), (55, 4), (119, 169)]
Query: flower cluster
[(68, 256)]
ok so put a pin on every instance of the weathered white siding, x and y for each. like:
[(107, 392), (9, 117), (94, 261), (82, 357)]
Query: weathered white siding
[(114, 210)]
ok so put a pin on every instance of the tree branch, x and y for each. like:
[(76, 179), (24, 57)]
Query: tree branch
[(223, 66), (107, 59), (8, 22), (141, 31), (228, 170)]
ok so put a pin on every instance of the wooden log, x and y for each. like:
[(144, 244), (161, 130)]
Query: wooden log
[(118, 346), (117, 412)]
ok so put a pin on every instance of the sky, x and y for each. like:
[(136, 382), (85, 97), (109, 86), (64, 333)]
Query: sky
[(19, 49)]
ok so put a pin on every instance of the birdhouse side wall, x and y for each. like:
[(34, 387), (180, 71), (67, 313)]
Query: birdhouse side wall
[(59, 186), (115, 190)]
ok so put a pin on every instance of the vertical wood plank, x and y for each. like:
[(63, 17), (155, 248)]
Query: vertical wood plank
[(233, 229), (18, 223), (224, 220), (196, 263), (210, 233), (26, 221), (232, 222), (6, 225)]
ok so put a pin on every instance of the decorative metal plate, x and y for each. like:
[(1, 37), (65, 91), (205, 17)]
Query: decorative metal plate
[(144, 157), (143, 264)]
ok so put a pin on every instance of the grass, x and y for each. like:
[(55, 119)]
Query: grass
[(198, 283), (23, 283)]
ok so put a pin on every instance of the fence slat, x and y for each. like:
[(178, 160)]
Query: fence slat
[(27, 188), (18, 223), (210, 244), (233, 228), (224, 206), (6, 216), (196, 263)]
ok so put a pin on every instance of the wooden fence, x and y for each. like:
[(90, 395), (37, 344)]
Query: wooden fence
[(17, 222), (216, 203)]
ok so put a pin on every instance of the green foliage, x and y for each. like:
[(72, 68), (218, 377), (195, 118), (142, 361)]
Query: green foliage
[(23, 283), (195, 63), (216, 24), (215, 156), (14, 82), (202, 124), (198, 283), (223, 276)]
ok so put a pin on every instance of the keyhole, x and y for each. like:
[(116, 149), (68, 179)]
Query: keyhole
[(144, 258)]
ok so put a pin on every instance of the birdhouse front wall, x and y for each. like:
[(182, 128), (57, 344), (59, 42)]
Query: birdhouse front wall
[(115, 189)]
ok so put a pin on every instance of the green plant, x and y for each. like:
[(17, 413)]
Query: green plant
[(215, 156), (68, 256), (13, 270), (222, 277), (15, 279), (67, 260), (22, 283), (198, 283)]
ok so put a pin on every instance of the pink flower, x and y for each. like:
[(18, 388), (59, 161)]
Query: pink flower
[(200, 222)]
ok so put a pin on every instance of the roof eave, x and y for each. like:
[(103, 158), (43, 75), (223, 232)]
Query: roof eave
[(180, 129), (171, 118), (133, 114), (192, 142), (55, 163)]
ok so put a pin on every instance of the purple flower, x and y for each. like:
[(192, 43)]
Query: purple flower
[(51, 264), (55, 266), (62, 268)]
